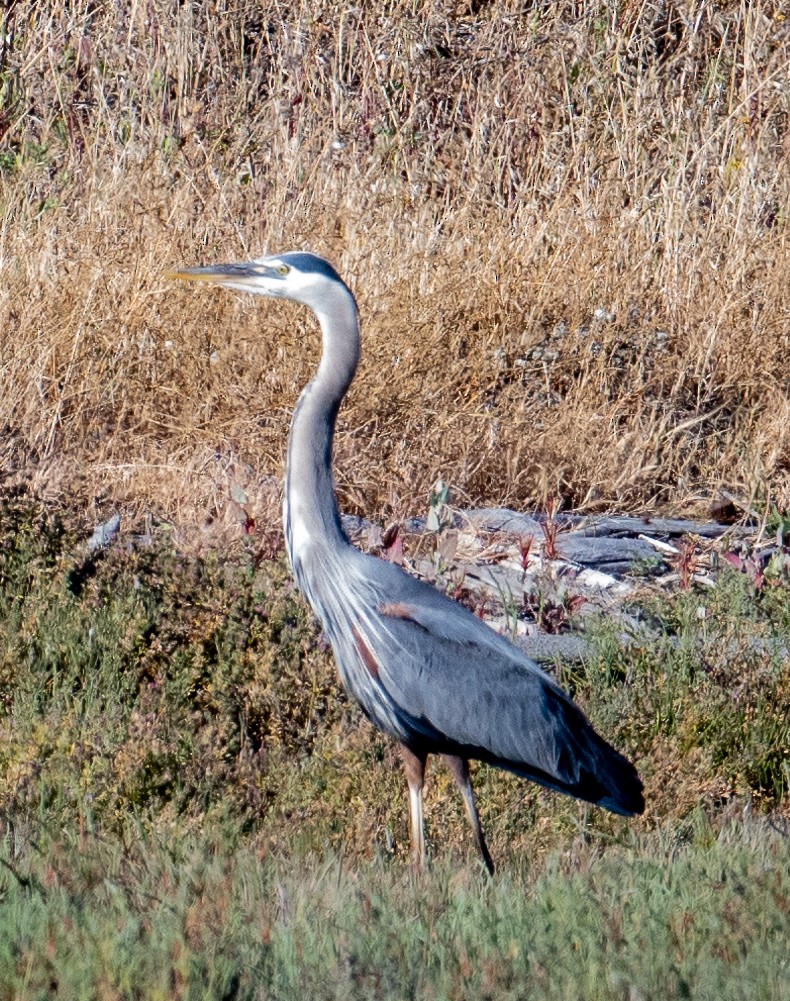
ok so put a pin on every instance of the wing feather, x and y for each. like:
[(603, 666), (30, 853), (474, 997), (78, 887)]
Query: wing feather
[(458, 683)]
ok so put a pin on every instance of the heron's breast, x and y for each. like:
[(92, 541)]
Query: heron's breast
[(360, 671)]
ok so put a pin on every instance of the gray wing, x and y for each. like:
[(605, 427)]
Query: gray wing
[(455, 680), (468, 686)]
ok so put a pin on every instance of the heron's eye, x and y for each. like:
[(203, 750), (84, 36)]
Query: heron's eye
[(283, 269)]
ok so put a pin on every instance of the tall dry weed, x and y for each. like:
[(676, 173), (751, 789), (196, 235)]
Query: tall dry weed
[(566, 225)]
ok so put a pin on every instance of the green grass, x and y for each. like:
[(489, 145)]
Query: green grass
[(191, 808), (144, 680), (191, 918)]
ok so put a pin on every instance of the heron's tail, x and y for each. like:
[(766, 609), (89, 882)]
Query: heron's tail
[(593, 770), (614, 785), (583, 765)]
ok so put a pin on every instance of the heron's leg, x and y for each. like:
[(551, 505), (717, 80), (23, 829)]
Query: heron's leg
[(414, 766), (459, 768)]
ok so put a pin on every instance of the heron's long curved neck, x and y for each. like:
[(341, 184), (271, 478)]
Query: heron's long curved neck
[(311, 513)]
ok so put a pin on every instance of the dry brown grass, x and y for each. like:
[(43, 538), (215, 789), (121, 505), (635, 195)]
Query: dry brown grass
[(486, 175)]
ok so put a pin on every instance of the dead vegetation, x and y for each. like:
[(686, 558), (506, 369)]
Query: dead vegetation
[(566, 225)]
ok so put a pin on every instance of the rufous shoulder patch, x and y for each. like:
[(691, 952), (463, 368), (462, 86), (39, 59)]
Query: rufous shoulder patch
[(365, 653), (398, 610)]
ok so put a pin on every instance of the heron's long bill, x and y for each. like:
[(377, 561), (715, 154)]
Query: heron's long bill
[(215, 274)]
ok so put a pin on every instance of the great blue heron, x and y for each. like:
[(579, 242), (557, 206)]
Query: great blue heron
[(422, 668)]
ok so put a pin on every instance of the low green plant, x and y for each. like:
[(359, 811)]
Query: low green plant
[(185, 916), (143, 681)]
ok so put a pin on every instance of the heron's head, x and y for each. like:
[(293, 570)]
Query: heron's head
[(297, 275)]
